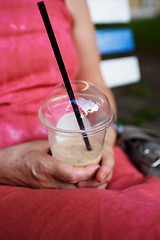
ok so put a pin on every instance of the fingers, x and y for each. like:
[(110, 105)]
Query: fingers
[(53, 184), (93, 183), (105, 171), (73, 175), (103, 186), (45, 169), (39, 169), (91, 176), (41, 172), (82, 176)]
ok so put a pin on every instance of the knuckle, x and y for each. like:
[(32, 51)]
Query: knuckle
[(71, 178)]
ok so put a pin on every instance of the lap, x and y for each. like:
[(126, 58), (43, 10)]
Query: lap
[(129, 209)]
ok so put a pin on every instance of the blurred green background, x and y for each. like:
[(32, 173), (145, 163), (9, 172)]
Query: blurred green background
[(139, 103)]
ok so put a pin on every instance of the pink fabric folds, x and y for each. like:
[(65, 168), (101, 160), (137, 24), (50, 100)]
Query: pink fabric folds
[(28, 66), (129, 209)]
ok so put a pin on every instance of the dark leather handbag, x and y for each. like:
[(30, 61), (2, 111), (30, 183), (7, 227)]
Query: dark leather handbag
[(143, 148)]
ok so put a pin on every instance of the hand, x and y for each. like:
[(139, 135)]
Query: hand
[(30, 165), (104, 174)]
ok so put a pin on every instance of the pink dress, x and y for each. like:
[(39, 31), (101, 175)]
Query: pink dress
[(28, 66), (128, 210)]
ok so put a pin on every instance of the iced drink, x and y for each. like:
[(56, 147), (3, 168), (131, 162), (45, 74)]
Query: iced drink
[(65, 137), (74, 152)]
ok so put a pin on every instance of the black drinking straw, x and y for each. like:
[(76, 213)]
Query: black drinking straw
[(63, 71)]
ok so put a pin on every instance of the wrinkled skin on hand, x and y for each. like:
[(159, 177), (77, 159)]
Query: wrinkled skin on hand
[(30, 165)]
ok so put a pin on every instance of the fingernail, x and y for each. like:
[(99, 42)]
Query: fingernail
[(97, 167), (82, 184)]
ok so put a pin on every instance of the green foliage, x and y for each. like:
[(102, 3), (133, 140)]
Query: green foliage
[(140, 89), (142, 116), (147, 33)]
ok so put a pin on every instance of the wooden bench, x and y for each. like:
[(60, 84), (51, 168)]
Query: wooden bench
[(115, 41)]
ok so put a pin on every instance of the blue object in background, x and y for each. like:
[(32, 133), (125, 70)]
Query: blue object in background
[(114, 41)]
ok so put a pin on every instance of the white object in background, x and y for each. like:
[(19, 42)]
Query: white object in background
[(109, 11), (120, 71)]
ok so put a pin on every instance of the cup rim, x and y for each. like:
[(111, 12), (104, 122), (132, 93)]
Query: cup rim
[(91, 130)]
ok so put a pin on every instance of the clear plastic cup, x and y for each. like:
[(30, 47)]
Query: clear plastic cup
[(66, 139)]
